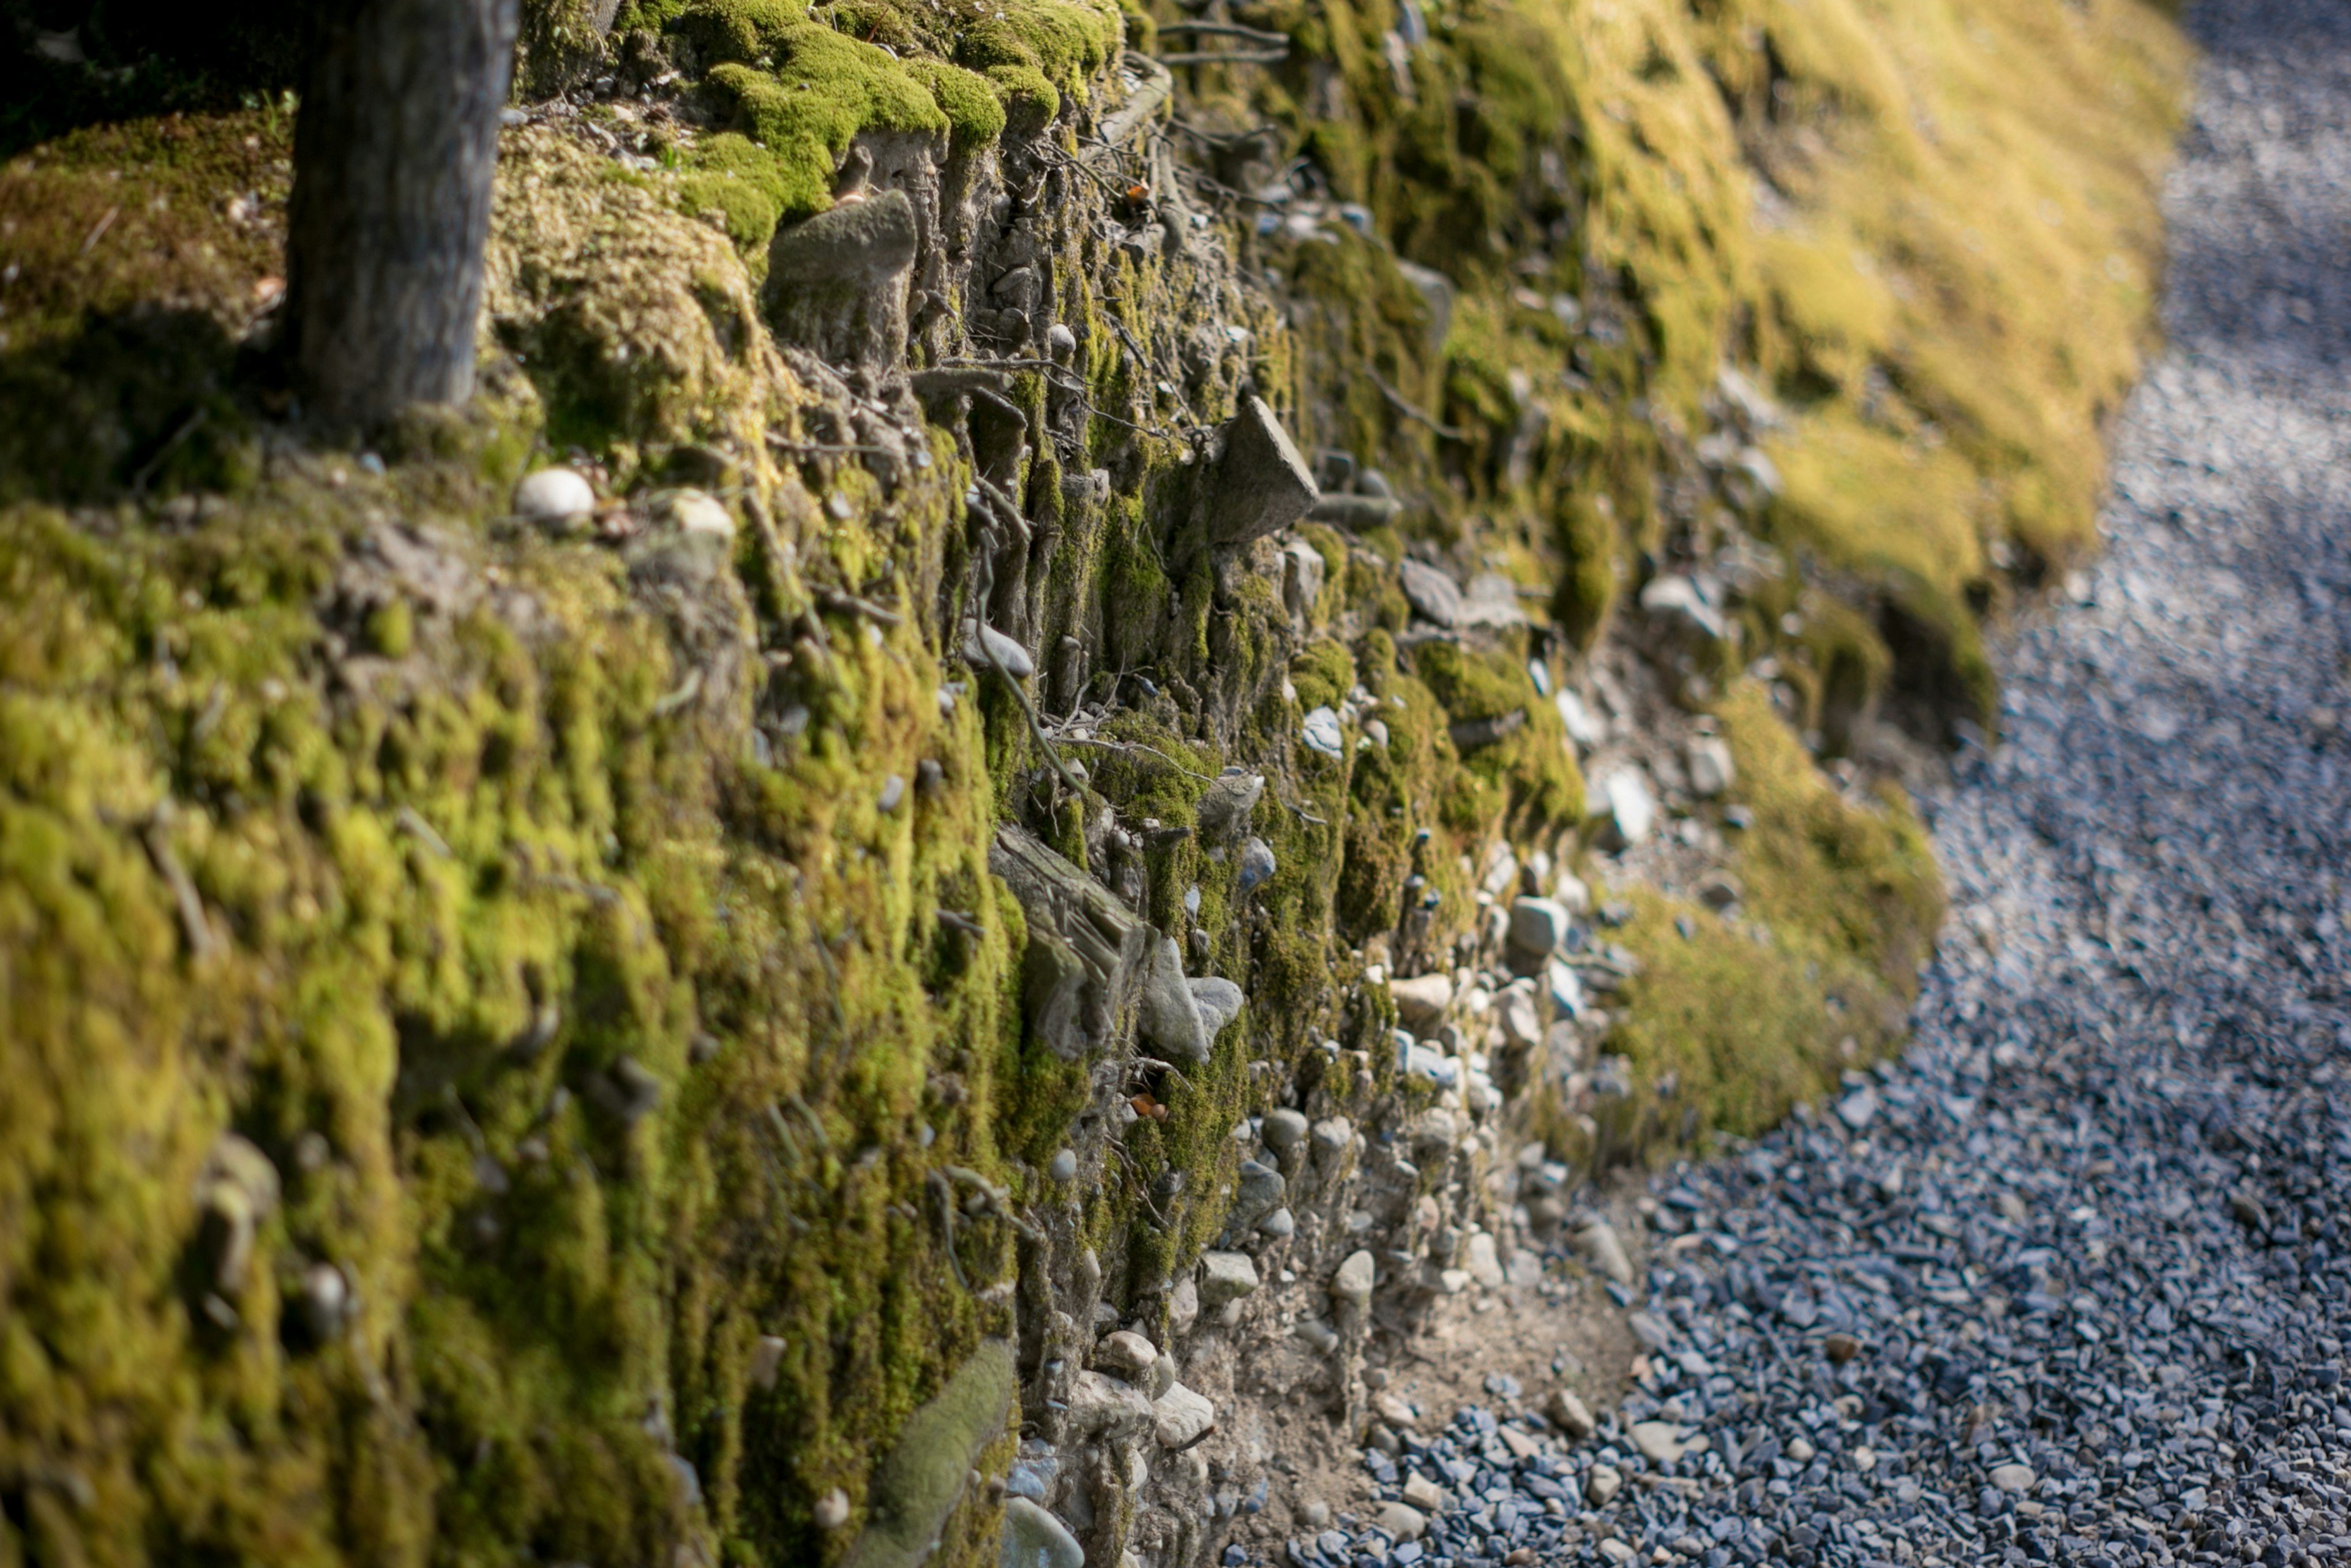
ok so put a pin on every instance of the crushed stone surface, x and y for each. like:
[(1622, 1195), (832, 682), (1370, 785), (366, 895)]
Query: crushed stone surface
[(2069, 1284)]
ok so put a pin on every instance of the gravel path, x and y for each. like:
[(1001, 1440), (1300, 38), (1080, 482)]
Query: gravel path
[(2067, 1285)]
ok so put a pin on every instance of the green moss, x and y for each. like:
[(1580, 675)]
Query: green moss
[(1731, 1025), (823, 89)]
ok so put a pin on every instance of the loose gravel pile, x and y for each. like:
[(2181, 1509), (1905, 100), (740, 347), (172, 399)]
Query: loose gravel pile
[(2069, 1284)]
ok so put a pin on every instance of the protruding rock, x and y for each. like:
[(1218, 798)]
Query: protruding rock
[(1183, 1305), (831, 1509), (1278, 1226), (1629, 811), (1423, 998), (1660, 1442), (1538, 925), (324, 1302), (1423, 1494), (1257, 484), (1181, 1417), (1302, 571), (1035, 1539), (919, 1482), (837, 282), (1401, 1520), (237, 1191), (554, 495), (1259, 1193), (2013, 1478), (1164, 1010), (1679, 610), (1226, 803), (1063, 1166), (1481, 1262), (1107, 1407), (980, 641), (1597, 1244), (1321, 732), (1225, 1277), (767, 1360), (1351, 1284), (1710, 768), (1571, 1414), (1123, 1353), (693, 512), (1219, 1001), (1434, 594), (1257, 866), (1085, 948), (1283, 1128)]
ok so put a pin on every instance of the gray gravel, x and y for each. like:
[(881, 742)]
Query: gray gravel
[(2068, 1283)]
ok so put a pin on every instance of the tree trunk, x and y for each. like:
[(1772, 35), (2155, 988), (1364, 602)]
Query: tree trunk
[(392, 158)]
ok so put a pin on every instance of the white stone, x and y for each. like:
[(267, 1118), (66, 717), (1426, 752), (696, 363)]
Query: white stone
[(1660, 1442), (1423, 1494), (1598, 1245), (2013, 1478), (1570, 1414), (695, 513), (1183, 1305), (1604, 1482), (1351, 1284), (1566, 987), (1321, 733), (554, 495), (1583, 727), (980, 640), (1106, 1406), (767, 1360), (1225, 1277), (1482, 1263), (1401, 1520), (1181, 1418), (1124, 1352), (1394, 1410), (1572, 894), (1710, 769), (1283, 1128), (1516, 1016), (1302, 571), (1624, 799), (1423, 998)]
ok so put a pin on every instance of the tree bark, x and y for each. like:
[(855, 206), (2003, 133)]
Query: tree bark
[(393, 153)]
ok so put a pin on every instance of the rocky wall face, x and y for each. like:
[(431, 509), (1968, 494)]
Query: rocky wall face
[(1059, 744)]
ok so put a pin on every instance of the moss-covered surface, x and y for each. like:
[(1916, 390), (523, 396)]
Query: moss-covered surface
[(656, 1095), (1730, 1019), (1929, 229)]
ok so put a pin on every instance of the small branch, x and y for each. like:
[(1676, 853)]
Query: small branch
[(1237, 57), (1228, 30), (851, 605), (193, 924), (957, 920), (1403, 405), (1153, 90), (408, 820)]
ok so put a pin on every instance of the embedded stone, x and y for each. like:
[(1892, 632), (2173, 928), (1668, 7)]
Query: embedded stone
[(836, 282), (554, 495), (1660, 1441), (1165, 1010), (1034, 1539), (1422, 999), (920, 1480), (1259, 485), (1402, 1522), (1538, 925), (1217, 1000), (1283, 1128), (1710, 768), (1226, 803), (1107, 1407), (1434, 594), (1604, 1482), (1225, 1277), (1124, 1352), (1351, 1284), (1181, 1417)]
